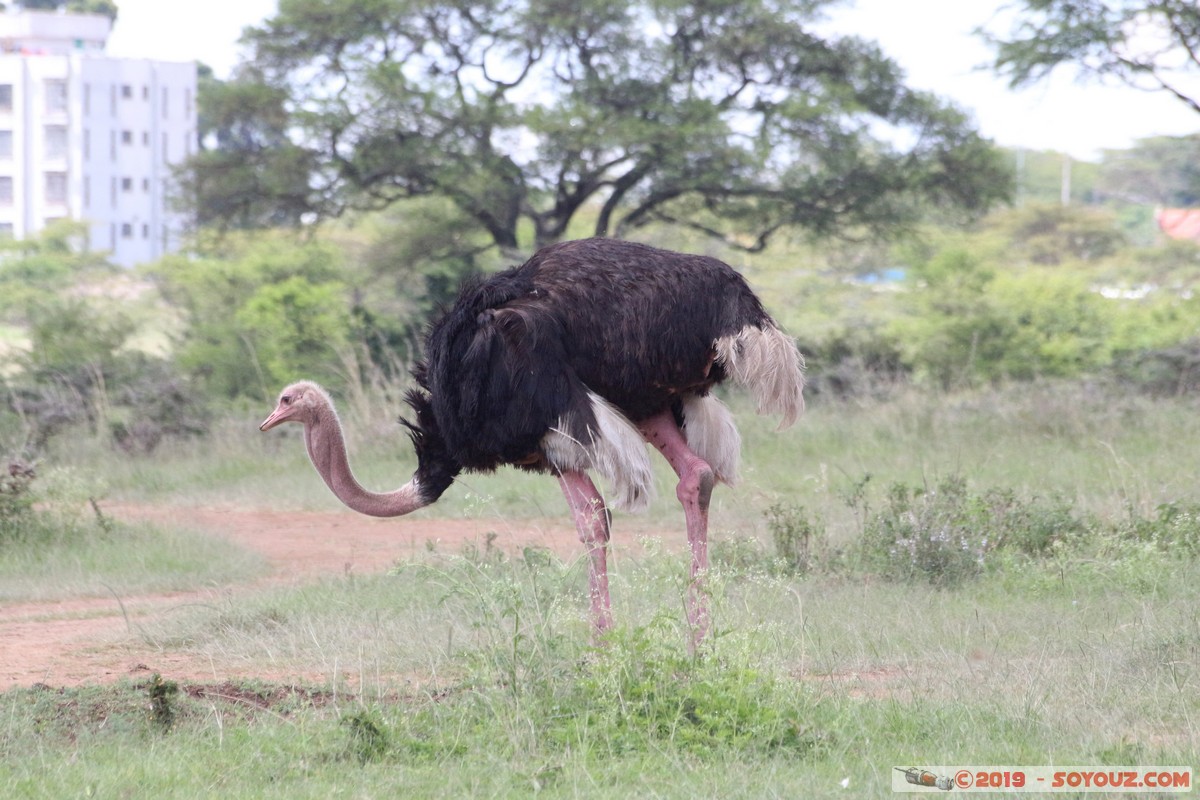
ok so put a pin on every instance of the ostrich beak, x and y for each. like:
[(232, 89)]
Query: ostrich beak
[(280, 414)]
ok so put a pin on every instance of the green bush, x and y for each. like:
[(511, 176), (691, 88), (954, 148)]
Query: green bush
[(927, 535), (259, 314), (81, 372), (945, 535), (642, 692), (265, 309), (969, 323), (795, 536), (1050, 233), (954, 331), (16, 500), (295, 327), (41, 268), (1161, 372), (1057, 326), (862, 359), (1175, 527), (149, 401)]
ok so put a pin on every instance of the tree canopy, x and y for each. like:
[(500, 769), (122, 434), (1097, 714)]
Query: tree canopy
[(738, 119), (1151, 44)]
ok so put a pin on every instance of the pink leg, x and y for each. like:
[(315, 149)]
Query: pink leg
[(591, 520), (694, 491)]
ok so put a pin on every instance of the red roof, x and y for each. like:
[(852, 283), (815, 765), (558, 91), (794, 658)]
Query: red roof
[(1179, 223)]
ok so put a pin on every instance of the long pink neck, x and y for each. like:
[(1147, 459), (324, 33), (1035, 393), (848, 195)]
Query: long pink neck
[(327, 449)]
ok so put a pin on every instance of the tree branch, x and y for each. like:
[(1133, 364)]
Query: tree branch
[(759, 243), (1149, 70)]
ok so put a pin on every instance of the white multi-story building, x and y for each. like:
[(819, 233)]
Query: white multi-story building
[(88, 137)]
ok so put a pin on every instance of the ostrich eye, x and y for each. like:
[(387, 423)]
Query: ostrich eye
[(286, 400)]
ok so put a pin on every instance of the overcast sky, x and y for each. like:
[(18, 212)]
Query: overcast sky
[(930, 39)]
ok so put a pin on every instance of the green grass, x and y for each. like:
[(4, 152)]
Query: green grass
[(473, 675), (123, 559)]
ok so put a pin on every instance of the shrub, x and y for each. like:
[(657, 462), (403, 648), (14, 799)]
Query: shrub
[(970, 324), (794, 535), (1161, 372), (1174, 527), (149, 401), (16, 500), (927, 535), (944, 535), (136, 399), (641, 692), (260, 314), (860, 360)]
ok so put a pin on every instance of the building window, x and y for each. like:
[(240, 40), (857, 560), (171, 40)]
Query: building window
[(87, 98), (87, 144), (145, 231), (6, 190), (126, 91), (126, 230), (146, 185), (6, 145), (5, 97), (56, 95), (112, 145), (112, 100), (56, 141), (165, 95), (56, 187), (126, 137), (87, 191), (126, 184), (145, 92), (146, 138)]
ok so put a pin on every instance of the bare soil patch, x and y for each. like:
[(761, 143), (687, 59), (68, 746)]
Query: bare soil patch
[(90, 640)]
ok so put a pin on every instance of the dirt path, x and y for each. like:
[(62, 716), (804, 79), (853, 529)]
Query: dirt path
[(87, 640)]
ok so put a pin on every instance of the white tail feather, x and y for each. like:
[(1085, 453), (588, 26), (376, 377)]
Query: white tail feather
[(711, 434), (616, 451), (766, 361)]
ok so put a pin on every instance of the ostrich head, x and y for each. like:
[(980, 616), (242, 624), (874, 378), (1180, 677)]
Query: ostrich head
[(303, 402)]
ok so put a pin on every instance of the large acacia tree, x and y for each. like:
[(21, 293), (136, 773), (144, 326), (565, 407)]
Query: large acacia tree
[(737, 118)]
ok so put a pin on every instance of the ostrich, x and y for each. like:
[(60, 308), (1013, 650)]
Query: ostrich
[(569, 364)]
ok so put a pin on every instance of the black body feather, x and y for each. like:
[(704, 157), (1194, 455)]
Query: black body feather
[(518, 352)]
